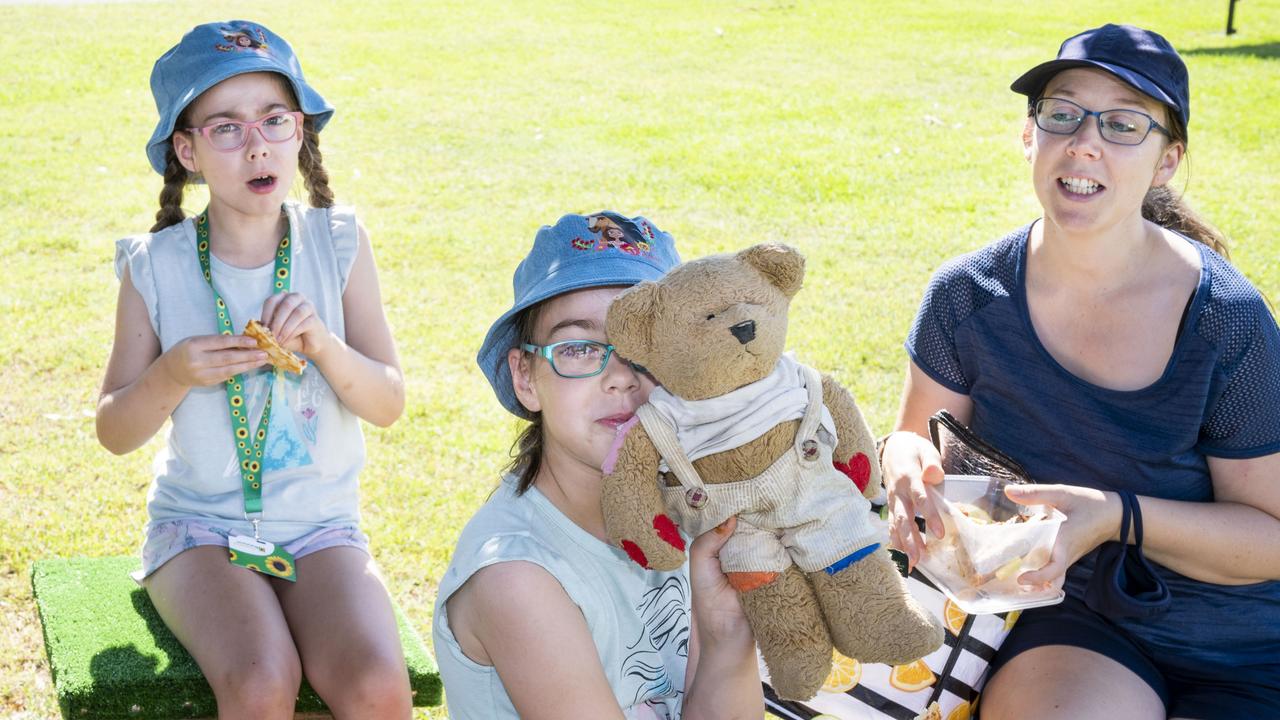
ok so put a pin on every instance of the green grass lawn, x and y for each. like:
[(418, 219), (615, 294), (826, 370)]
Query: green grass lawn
[(878, 137)]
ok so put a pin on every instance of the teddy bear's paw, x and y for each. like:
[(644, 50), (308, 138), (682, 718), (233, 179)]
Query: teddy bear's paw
[(661, 548), (872, 615), (748, 581), (789, 629)]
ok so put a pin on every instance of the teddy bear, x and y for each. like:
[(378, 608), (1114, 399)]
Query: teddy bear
[(739, 428)]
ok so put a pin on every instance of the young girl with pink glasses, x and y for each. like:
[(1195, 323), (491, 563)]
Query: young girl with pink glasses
[(253, 553)]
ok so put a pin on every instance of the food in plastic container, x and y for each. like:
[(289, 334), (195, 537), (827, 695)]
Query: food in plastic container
[(989, 541)]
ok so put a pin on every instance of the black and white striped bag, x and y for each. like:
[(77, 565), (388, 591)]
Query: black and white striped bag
[(948, 684), (945, 689)]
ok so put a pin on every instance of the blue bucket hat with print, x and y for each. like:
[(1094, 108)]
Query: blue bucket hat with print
[(1141, 58), (211, 53), (579, 251)]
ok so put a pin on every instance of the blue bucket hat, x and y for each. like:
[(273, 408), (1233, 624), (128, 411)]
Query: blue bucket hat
[(1139, 57), (211, 53), (579, 251)]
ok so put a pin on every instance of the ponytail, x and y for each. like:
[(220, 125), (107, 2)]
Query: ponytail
[(1165, 208), (175, 181)]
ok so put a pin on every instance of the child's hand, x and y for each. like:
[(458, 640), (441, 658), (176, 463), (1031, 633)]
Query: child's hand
[(715, 601), (295, 324), (210, 359)]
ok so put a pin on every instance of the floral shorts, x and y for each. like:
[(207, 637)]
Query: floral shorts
[(165, 540)]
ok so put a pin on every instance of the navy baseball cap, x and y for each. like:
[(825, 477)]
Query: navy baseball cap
[(579, 251), (1139, 57), (211, 53)]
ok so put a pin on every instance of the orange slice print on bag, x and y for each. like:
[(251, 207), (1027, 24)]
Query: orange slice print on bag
[(912, 677), (844, 676), (953, 616), (963, 711)]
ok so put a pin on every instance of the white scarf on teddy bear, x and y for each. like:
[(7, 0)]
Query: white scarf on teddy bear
[(706, 427)]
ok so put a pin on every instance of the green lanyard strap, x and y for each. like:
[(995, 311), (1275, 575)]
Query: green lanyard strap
[(250, 452)]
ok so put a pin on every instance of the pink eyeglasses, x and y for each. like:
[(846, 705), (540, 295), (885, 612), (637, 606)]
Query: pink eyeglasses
[(229, 135)]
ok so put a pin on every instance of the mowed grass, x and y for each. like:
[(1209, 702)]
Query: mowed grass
[(878, 137)]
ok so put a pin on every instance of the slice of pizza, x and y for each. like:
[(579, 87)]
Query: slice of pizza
[(278, 356)]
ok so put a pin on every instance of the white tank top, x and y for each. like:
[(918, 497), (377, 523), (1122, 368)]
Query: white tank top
[(314, 449), (639, 619)]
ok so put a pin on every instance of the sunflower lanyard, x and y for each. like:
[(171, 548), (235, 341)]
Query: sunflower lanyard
[(253, 553)]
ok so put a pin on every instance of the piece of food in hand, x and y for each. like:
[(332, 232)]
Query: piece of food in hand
[(982, 517), (973, 512), (1006, 571), (278, 356)]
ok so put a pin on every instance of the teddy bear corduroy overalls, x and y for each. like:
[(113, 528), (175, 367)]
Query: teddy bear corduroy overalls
[(799, 510)]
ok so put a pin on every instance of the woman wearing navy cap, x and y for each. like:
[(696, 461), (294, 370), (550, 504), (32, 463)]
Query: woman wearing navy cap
[(1113, 351)]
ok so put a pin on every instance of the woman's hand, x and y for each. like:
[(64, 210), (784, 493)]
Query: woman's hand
[(1093, 517), (908, 463), (204, 360), (295, 324), (715, 602)]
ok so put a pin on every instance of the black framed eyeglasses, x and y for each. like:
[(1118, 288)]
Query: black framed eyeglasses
[(1120, 126), (578, 358)]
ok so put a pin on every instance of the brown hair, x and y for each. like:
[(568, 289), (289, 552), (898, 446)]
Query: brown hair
[(526, 451), (176, 177)]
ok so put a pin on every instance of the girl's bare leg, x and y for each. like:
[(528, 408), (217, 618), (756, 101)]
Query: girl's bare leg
[(345, 629), (231, 622)]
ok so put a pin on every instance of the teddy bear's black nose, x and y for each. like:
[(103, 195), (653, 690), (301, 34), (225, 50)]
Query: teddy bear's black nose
[(744, 331)]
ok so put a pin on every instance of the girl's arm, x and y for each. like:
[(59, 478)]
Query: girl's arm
[(142, 386), (364, 371), (516, 617), (723, 677), (1234, 540)]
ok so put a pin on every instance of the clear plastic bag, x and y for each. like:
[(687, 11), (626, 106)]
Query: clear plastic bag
[(989, 540)]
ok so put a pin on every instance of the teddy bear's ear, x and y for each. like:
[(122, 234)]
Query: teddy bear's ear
[(629, 323), (783, 265)]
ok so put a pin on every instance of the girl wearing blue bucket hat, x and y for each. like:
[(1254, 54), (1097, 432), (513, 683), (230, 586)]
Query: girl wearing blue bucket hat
[(1111, 349), (253, 553), (538, 615)]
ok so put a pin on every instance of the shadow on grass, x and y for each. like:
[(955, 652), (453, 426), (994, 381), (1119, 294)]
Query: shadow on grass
[(129, 683), (1268, 51)]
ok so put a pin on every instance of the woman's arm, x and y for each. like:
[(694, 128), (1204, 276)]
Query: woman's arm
[(909, 460), (364, 370), (1234, 540), (723, 677), (142, 386), (516, 617)]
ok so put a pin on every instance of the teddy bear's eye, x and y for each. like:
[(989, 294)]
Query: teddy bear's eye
[(712, 316)]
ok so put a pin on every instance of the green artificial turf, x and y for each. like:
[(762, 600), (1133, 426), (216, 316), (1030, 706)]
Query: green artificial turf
[(112, 657)]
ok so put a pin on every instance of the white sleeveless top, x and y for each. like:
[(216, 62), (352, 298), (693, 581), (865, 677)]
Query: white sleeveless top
[(314, 448), (639, 619)]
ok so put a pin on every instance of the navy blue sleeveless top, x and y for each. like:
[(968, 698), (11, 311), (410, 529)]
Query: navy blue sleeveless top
[(1219, 395)]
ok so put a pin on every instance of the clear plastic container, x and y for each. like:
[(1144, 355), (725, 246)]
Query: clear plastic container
[(989, 541)]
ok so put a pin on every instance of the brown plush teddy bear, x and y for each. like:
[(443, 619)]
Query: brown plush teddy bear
[(739, 428)]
